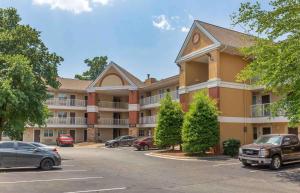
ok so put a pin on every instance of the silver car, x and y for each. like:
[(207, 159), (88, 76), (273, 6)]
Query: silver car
[(21, 154)]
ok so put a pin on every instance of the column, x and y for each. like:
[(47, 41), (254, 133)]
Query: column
[(92, 110), (133, 108)]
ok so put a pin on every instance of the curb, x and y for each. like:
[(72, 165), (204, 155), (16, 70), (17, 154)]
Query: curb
[(217, 158)]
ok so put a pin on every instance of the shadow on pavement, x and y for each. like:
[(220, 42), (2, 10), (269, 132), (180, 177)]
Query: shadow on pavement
[(37, 170)]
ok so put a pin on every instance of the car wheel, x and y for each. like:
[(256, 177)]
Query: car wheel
[(276, 162), (116, 145), (146, 148), (246, 164), (46, 164)]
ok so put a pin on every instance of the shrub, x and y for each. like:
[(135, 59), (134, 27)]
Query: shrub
[(231, 147), (200, 128), (170, 119)]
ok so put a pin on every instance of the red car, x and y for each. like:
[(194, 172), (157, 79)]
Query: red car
[(65, 139), (144, 143)]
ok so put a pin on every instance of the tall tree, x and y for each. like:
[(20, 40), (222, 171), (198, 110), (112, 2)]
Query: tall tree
[(96, 66), (26, 68), (170, 119), (275, 61), (200, 128)]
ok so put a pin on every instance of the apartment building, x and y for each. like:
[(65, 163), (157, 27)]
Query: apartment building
[(117, 103)]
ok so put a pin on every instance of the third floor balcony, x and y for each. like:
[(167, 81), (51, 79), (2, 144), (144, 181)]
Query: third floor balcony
[(66, 121), (148, 119), (263, 110), (155, 99), (62, 103)]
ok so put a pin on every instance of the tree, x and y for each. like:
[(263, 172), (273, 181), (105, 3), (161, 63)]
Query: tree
[(274, 55), (170, 119), (96, 66), (26, 69), (200, 128)]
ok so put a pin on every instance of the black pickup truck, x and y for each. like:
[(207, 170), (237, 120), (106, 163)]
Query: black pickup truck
[(273, 150)]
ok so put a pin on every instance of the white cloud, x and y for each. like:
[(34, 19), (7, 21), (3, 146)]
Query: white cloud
[(185, 29), (162, 22), (75, 6)]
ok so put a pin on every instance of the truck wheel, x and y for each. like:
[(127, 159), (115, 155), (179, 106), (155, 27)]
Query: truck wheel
[(276, 162), (146, 148), (246, 164), (46, 164)]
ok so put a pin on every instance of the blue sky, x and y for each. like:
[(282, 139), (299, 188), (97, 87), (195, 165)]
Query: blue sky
[(143, 36)]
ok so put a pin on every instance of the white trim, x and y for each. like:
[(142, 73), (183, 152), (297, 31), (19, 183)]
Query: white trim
[(111, 88), (280, 119), (133, 107), (112, 109), (92, 109), (216, 83), (61, 107), (112, 126), (147, 125), (65, 126), (187, 39), (111, 65)]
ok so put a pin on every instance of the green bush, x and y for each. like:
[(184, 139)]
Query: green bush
[(231, 147), (170, 119), (200, 128)]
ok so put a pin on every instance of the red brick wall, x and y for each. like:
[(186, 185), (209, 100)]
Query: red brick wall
[(214, 93), (133, 117), (133, 97), (92, 98), (184, 102), (92, 118)]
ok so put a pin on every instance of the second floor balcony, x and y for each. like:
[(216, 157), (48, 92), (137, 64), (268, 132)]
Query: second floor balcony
[(66, 121), (107, 105), (148, 119), (113, 123), (66, 102), (155, 99), (263, 110)]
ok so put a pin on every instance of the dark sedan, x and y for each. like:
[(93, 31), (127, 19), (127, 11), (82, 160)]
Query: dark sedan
[(125, 140), (21, 154)]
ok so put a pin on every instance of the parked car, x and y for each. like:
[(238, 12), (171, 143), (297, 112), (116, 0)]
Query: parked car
[(125, 140), (273, 150), (65, 140), (43, 146), (144, 143), (21, 154)]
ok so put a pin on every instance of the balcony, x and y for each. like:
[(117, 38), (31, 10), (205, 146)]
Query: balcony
[(112, 106), (263, 110), (153, 101), (66, 121), (148, 120), (57, 103), (113, 123)]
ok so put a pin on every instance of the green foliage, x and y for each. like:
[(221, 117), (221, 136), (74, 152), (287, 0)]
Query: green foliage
[(96, 66), (170, 119), (275, 61), (26, 68), (231, 147), (200, 128)]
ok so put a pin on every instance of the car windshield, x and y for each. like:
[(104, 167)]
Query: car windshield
[(274, 140), (65, 137)]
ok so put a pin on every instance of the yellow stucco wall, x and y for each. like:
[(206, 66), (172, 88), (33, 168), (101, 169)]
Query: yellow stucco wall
[(112, 80)]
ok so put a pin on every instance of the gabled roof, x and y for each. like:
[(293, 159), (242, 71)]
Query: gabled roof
[(73, 84), (132, 80), (231, 40)]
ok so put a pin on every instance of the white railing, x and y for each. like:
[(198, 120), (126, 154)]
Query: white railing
[(66, 102), (66, 121), (109, 121), (148, 120), (263, 110), (157, 98), (113, 105)]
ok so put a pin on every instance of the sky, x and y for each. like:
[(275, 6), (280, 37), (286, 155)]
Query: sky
[(142, 36)]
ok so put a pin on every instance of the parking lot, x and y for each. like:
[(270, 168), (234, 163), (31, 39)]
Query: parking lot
[(123, 169)]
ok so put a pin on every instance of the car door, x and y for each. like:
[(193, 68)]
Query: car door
[(288, 149), (123, 140), (296, 147), (27, 155), (7, 154)]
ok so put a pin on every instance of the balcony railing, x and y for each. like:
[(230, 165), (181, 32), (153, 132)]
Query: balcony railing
[(264, 110), (113, 105), (66, 121), (148, 120), (157, 98), (109, 121), (66, 102)]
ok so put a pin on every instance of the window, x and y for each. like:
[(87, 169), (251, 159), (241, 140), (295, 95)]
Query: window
[(48, 133), (62, 96), (254, 99), (62, 114), (141, 133), (6, 145), (62, 132), (254, 133), (266, 130), (25, 146)]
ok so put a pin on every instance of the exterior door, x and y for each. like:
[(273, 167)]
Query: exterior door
[(72, 118), (85, 135), (116, 101), (37, 136), (117, 117), (72, 100), (73, 135), (116, 133), (265, 99)]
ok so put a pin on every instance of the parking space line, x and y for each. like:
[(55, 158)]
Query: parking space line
[(50, 180), (100, 190), (225, 164), (37, 172)]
